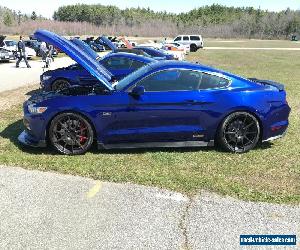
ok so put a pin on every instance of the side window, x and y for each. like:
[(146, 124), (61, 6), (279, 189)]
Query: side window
[(212, 81), (115, 63), (172, 80), (195, 38), (186, 38), (177, 39), (136, 64)]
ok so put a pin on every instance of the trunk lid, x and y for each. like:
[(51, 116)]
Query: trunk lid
[(277, 85)]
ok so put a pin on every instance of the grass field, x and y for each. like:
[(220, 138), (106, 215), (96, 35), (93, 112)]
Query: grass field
[(251, 43), (269, 173)]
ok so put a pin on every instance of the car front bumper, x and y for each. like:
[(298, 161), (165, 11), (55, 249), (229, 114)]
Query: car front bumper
[(4, 57), (27, 139)]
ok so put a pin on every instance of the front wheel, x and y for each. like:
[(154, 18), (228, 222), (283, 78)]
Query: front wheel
[(71, 134), (239, 132)]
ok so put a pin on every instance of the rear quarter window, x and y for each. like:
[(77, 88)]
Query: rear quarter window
[(213, 82), (195, 38)]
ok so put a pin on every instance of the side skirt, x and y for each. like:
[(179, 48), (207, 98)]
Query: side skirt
[(157, 144)]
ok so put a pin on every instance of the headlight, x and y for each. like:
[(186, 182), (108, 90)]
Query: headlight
[(45, 77), (36, 110)]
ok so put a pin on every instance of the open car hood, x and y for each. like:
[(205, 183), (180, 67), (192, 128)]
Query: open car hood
[(2, 39), (85, 47), (77, 54), (105, 41)]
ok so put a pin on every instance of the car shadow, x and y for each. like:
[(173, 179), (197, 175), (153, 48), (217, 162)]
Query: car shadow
[(151, 150), (13, 130)]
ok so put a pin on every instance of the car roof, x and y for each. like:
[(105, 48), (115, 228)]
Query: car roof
[(190, 65), (189, 35), (130, 56), (145, 47)]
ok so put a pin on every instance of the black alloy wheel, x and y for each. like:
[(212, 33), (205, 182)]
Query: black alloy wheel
[(71, 134), (239, 133)]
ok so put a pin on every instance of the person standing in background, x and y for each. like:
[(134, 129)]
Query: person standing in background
[(44, 53), (22, 53), (51, 50)]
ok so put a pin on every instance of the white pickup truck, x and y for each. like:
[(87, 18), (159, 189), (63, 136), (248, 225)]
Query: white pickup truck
[(194, 41)]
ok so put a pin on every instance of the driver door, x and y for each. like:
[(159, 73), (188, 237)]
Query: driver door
[(171, 109)]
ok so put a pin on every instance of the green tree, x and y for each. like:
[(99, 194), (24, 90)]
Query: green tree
[(7, 19)]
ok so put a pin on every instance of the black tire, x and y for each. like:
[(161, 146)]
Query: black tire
[(193, 48), (239, 132), (60, 84), (71, 134), (123, 46)]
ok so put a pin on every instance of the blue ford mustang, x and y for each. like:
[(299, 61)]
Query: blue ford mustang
[(163, 104), (157, 54), (118, 65)]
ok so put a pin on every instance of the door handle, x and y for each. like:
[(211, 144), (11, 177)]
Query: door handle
[(192, 101)]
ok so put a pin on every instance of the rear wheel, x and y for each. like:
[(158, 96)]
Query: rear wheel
[(239, 133), (60, 84), (193, 48), (71, 134)]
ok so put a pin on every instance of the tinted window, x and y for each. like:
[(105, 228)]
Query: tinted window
[(195, 38), (177, 38), (172, 80), (136, 64), (10, 43), (126, 81), (115, 63), (212, 81), (185, 38)]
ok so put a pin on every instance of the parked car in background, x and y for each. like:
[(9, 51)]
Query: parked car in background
[(194, 41), (4, 55), (94, 45), (157, 54), (116, 66), (33, 44), (5, 52), (11, 46), (122, 42), (145, 51), (164, 104), (172, 46)]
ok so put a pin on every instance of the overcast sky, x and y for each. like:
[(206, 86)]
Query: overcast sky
[(46, 8)]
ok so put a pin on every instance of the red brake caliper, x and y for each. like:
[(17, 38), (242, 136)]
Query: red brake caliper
[(82, 137)]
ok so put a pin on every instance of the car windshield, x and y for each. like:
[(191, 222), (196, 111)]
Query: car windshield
[(131, 77), (10, 43)]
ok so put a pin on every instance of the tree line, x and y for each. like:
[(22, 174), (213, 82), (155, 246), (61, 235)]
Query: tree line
[(224, 21), (210, 21)]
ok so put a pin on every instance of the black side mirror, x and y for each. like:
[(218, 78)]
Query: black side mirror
[(137, 91)]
